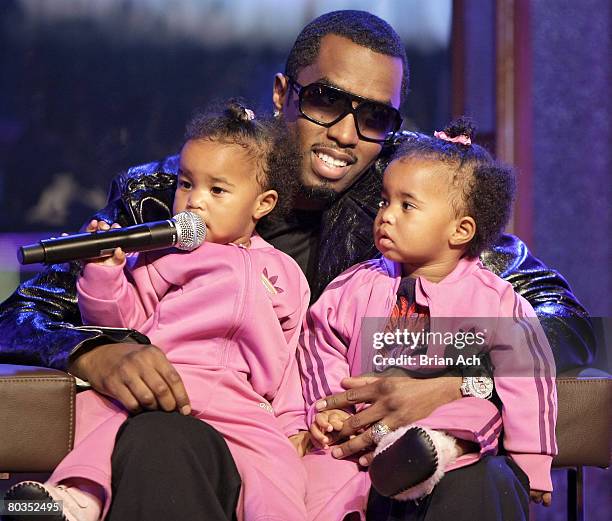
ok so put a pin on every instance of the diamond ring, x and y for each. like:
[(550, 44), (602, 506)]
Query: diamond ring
[(379, 430)]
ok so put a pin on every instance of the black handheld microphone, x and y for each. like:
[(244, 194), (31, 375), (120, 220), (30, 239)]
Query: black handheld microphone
[(186, 231)]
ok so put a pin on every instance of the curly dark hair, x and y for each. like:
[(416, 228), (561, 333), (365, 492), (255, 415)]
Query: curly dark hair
[(482, 187), (266, 139), (360, 27)]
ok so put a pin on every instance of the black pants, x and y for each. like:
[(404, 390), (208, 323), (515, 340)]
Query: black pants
[(493, 489), (169, 467)]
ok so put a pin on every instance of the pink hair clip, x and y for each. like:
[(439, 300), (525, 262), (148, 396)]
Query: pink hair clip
[(250, 114), (461, 139)]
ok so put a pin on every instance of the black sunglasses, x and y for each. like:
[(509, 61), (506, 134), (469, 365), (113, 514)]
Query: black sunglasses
[(326, 105)]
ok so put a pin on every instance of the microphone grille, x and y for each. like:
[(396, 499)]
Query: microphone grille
[(190, 230)]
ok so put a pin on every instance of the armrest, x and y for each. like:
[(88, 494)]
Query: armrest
[(584, 419), (37, 417)]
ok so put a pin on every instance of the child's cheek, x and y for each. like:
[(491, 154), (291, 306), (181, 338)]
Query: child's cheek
[(177, 205)]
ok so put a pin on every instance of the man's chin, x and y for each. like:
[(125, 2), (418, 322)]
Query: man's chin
[(322, 194)]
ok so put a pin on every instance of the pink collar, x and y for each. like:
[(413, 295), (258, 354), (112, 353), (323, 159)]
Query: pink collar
[(464, 268)]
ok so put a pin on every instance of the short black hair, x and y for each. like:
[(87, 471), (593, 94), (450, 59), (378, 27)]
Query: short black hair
[(360, 27), (483, 188), (267, 139)]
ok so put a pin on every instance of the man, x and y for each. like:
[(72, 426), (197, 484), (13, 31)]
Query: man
[(345, 79)]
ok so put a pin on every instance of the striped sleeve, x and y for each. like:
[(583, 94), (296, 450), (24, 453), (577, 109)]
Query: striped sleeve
[(324, 342), (525, 381)]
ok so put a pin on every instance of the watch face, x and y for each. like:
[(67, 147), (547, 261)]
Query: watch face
[(483, 384), (480, 386)]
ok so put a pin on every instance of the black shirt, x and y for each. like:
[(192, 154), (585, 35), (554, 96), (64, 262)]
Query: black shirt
[(298, 236)]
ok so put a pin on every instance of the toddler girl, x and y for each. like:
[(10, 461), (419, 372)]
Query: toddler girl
[(227, 315), (444, 200)]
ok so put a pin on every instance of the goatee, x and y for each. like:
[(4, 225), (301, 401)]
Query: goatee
[(323, 195)]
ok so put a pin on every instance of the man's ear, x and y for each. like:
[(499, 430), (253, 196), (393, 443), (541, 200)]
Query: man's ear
[(280, 91), (465, 228), (265, 203)]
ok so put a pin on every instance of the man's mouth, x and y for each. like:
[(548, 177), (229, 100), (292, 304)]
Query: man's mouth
[(330, 163)]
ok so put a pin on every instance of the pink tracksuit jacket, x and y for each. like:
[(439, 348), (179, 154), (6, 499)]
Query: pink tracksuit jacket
[(331, 349), (228, 318)]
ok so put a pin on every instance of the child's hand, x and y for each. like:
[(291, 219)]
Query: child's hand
[(326, 427), (301, 442), (118, 256), (537, 496)]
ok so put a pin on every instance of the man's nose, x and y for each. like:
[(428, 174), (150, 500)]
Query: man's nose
[(344, 132)]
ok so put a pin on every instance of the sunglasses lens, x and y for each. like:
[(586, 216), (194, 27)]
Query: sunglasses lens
[(376, 121), (322, 103), (326, 105)]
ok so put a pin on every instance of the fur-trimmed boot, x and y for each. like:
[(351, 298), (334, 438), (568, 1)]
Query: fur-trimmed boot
[(410, 461)]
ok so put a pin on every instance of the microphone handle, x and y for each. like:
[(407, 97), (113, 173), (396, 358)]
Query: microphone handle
[(141, 237)]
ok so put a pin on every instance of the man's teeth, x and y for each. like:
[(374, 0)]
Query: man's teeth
[(330, 161)]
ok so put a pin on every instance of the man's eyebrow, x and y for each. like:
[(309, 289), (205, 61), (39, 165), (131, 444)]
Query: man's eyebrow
[(325, 80)]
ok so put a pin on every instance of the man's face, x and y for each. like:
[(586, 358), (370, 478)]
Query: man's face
[(333, 158)]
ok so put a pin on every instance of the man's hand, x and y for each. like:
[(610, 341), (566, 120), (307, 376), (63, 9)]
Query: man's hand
[(139, 376), (326, 427), (395, 400), (538, 496)]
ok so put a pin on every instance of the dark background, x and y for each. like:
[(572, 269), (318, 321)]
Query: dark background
[(79, 103)]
